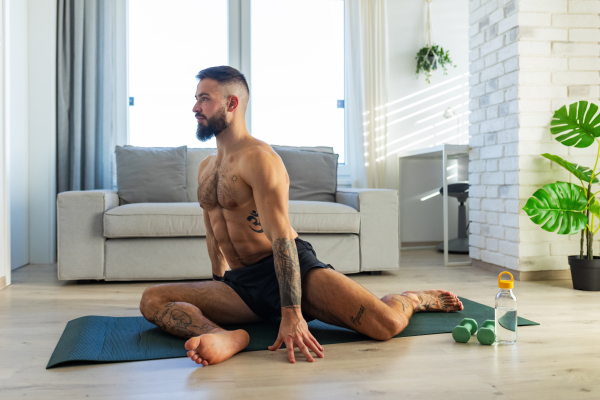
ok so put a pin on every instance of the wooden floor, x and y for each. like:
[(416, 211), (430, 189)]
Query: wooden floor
[(560, 359)]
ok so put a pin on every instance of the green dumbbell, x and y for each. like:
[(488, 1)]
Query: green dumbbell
[(487, 332), (462, 333)]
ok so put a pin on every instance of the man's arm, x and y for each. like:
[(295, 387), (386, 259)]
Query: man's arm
[(269, 180), (217, 259)]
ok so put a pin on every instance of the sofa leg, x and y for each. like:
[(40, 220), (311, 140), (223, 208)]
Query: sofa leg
[(86, 281), (373, 272)]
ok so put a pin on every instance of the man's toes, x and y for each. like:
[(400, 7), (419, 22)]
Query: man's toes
[(204, 362), (192, 343)]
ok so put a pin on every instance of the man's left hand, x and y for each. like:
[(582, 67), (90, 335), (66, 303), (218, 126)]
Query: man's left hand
[(293, 330)]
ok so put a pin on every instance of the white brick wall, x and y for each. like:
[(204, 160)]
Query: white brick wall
[(494, 122), (528, 58)]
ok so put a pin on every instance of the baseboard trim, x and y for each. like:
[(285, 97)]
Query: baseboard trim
[(525, 276), (418, 245), (3, 283)]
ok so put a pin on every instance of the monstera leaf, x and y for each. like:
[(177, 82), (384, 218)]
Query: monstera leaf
[(575, 126), (558, 207), (581, 172)]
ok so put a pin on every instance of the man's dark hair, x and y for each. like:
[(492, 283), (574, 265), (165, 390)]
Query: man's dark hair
[(224, 74)]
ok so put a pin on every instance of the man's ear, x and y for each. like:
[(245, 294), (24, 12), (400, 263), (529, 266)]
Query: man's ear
[(232, 103)]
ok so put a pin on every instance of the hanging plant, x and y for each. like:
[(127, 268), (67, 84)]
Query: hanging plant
[(430, 55), (428, 59)]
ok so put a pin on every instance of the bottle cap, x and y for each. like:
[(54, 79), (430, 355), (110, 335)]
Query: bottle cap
[(506, 284)]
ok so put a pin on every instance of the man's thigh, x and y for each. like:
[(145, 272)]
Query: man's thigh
[(334, 298), (216, 300)]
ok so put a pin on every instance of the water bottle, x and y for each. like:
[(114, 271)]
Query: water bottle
[(506, 311)]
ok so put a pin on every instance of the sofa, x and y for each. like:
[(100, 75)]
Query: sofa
[(100, 238)]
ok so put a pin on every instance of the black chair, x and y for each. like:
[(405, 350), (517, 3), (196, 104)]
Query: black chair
[(459, 245)]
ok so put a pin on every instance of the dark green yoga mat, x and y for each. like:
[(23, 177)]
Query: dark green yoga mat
[(109, 339)]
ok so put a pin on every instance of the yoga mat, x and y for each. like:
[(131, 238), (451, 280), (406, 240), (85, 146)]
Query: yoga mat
[(97, 339)]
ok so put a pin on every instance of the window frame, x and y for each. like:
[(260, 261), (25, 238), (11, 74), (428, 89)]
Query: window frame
[(239, 52)]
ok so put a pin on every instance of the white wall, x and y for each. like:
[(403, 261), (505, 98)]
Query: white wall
[(4, 154), (42, 130), (422, 221), (19, 138)]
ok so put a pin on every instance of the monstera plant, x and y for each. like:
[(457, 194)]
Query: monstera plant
[(568, 208)]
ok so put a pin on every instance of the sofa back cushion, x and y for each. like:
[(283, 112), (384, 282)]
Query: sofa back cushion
[(151, 174), (309, 181)]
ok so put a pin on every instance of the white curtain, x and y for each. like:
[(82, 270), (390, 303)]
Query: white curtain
[(91, 92), (367, 86)]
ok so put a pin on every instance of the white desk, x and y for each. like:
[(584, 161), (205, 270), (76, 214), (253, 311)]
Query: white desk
[(445, 152)]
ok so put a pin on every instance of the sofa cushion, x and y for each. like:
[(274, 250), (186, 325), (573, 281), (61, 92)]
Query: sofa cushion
[(186, 219), (323, 217), (154, 220), (151, 174), (313, 174)]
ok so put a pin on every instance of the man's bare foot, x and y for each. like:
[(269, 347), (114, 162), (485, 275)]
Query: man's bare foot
[(434, 300), (216, 347)]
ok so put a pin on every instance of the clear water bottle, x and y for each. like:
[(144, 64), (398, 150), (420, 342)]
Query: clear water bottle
[(506, 311)]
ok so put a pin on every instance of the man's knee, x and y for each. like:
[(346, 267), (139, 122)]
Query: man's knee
[(388, 327), (151, 299)]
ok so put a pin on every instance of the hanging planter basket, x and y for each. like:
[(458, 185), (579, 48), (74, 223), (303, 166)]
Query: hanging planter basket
[(429, 57)]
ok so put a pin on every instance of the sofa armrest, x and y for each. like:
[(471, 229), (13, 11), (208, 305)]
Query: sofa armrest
[(379, 239), (80, 236)]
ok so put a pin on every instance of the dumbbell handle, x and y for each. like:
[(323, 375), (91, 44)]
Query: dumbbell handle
[(490, 323), (469, 326)]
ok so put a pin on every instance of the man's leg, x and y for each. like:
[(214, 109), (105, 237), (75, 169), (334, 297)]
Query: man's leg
[(193, 311), (336, 299)]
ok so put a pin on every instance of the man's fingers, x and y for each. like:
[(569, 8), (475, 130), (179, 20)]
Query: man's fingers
[(312, 338), (277, 343), (305, 351), (314, 347), (289, 345)]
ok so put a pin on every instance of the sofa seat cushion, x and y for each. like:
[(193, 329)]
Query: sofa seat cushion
[(154, 220), (186, 219), (323, 217)]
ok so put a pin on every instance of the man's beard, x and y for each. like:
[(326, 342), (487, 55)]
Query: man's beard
[(214, 125)]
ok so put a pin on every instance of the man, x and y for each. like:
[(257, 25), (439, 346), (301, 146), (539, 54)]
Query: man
[(262, 270)]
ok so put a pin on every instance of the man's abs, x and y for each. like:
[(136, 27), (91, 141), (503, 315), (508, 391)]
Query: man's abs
[(239, 235)]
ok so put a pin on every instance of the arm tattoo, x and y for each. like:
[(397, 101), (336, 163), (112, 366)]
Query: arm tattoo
[(287, 269), (234, 178)]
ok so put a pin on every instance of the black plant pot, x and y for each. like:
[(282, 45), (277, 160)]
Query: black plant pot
[(431, 59), (585, 273)]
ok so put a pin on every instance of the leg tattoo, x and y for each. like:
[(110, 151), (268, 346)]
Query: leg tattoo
[(176, 321)]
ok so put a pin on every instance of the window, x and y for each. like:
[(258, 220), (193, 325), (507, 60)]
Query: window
[(298, 73), (294, 59), (169, 43)]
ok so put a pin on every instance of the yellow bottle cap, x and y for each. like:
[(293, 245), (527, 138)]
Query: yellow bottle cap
[(506, 284)]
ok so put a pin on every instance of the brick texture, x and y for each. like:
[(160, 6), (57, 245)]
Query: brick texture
[(528, 58)]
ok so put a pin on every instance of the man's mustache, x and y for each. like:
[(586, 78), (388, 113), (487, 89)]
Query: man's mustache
[(200, 115)]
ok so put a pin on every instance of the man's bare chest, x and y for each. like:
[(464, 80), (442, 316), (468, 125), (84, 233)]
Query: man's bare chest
[(221, 186)]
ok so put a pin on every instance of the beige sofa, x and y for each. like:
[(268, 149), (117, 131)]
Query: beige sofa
[(98, 239)]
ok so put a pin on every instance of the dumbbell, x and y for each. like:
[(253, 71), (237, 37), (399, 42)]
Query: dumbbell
[(487, 332), (462, 332)]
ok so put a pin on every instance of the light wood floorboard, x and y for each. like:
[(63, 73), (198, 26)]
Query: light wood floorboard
[(560, 359)]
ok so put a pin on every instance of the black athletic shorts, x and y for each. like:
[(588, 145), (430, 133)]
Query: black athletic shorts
[(257, 284)]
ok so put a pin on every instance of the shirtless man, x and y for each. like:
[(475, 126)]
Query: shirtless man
[(262, 270)]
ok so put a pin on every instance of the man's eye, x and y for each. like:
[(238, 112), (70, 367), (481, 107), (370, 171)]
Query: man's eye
[(204, 98)]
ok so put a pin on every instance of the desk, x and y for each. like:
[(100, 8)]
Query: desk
[(445, 152)]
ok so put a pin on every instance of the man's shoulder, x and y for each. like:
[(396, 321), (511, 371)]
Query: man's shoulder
[(259, 152)]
